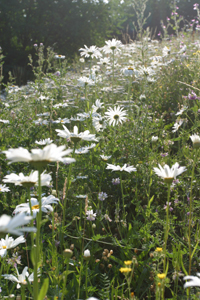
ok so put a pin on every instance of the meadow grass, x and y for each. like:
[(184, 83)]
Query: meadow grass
[(109, 225)]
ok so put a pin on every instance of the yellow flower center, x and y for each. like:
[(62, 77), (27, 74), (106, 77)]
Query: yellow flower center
[(130, 68), (35, 207), (4, 247)]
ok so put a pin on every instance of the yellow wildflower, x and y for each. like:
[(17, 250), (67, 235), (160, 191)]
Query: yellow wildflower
[(161, 276), (125, 270), (128, 262), (159, 249)]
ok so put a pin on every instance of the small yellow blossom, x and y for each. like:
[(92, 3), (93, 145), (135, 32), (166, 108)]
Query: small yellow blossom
[(159, 284), (128, 262), (159, 249), (125, 270), (161, 276)]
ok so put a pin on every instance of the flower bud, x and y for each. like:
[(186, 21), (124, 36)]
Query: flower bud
[(86, 254), (68, 253)]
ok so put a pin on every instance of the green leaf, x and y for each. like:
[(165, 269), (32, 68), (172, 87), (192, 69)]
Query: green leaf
[(44, 289)]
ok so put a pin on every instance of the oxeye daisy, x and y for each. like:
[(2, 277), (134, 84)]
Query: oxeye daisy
[(4, 188), (45, 206), (116, 115), (20, 278), (169, 174), (9, 243), (195, 140)]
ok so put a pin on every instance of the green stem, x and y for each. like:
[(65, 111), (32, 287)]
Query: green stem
[(124, 214), (37, 249), (166, 237), (65, 280), (191, 210), (65, 200), (86, 281), (113, 67)]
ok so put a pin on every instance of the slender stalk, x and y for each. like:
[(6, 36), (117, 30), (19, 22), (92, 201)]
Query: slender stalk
[(167, 226), (65, 280), (113, 73), (37, 250), (86, 281), (191, 210), (65, 200), (124, 214)]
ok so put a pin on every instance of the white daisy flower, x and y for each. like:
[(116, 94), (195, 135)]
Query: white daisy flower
[(92, 52), (44, 142), (195, 140), (9, 243), (75, 136), (105, 158), (49, 153), (13, 225), (126, 168), (112, 45), (169, 174), (83, 81), (177, 125), (116, 115), (4, 188), (30, 180), (45, 206), (193, 281), (59, 56), (21, 279)]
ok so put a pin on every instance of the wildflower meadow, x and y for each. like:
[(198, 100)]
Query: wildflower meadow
[(99, 171)]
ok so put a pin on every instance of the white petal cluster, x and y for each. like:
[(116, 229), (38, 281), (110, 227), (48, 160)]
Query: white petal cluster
[(193, 281), (49, 153), (21, 179), (167, 173), (92, 52), (13, 225), (126, 168), (75, 136), (9, 243), (195, 140), (116, 115), (45, 206), (20, 278)]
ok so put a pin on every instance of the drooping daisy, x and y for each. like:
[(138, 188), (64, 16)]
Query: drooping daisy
[(116, 115), (13, 225), (45, 206), (75, 136), (195, 140), (21, 279), (30, 180), (169, 174), (4, 188), (126, 168), (9, 243)]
